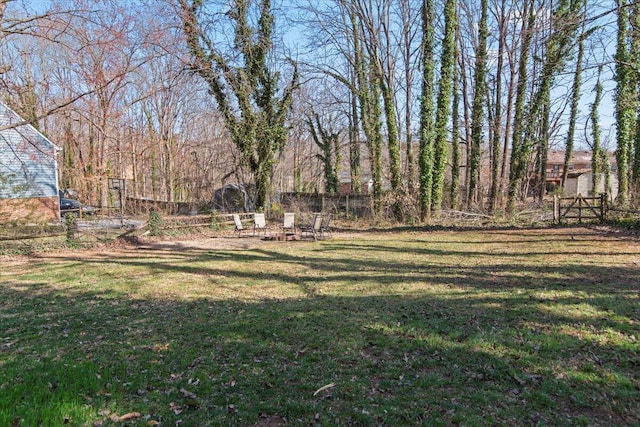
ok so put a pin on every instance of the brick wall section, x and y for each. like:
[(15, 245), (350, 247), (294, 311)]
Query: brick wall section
[(36, 210)]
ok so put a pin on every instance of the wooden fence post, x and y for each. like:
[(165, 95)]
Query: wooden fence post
[(603, 207)]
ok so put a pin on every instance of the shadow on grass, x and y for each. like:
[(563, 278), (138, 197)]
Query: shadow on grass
[(437, 339)]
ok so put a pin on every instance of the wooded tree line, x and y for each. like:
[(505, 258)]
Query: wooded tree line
[(431, 105)]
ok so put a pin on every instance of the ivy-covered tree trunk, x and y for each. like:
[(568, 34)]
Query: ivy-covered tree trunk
[(596, 148), (496, 122), (565, 21), (368, 94), (355, 168), (508, 111), (477, 114), (441, 144), (573, 116), (634, 40), (542, 138), (407, 37), (375, 31), (373, 130), (519, 153), (395, 171), (245, 89), (454, 189), (624, 110), (600, 161), (327, 141), (425, 158)]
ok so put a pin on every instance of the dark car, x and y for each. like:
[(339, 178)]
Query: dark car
[(74, 207)]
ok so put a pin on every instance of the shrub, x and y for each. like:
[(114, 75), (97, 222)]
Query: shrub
[(70, 228), (155, 222), (213, 222)]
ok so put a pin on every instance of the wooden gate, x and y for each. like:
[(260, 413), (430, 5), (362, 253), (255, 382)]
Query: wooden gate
[(580, 208)]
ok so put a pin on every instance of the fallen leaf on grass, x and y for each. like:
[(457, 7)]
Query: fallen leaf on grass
[(187, 393), (519, 380), (324, 387), (177, 410), (190, 399), (131, 415)]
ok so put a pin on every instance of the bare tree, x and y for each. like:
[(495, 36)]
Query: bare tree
[(409, 49)]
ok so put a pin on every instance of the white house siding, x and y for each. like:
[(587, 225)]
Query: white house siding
[(28, 172)]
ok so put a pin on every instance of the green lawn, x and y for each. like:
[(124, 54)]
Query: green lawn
[(496, 327)]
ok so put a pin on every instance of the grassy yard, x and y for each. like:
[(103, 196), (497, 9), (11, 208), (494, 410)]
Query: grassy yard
[(494, 327)]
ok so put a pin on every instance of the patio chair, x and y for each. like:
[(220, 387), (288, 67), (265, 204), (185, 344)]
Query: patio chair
[(289, 223), (259, 223), (240, 228), (313, 229), (325, 230)]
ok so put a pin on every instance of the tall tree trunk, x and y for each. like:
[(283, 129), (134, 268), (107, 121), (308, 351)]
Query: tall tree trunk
[(566, 18), (543, 145), (370, 113), (387, 89), (496, 123), (624, 110), (395, 170), (513, 72), (518, 153), (407, 54), (425, 158), (477, 115), (441, 144), (565, 21), (596, 148), (573, 116), (455, 139), (354, 144), (374, 125), (462, 67), (634, 52)]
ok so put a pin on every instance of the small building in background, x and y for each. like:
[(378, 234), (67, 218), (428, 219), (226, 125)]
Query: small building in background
[(28, 172), (579, 182), (580, 175)]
